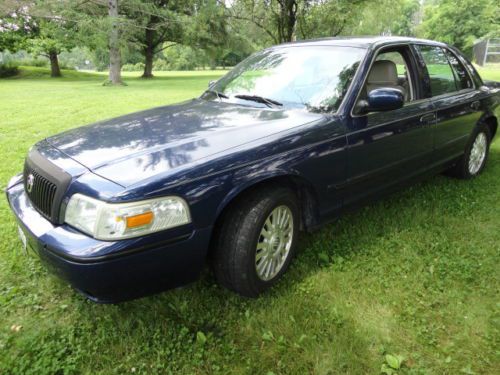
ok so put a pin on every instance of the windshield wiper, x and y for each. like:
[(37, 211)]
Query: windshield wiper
[(219, 95), (259, 99)]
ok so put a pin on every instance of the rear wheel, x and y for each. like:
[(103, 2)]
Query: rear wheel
[(474, 159), (257, 241)]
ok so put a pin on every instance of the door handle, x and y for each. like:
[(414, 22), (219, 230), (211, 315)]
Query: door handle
[(475, 105), (428, 118)]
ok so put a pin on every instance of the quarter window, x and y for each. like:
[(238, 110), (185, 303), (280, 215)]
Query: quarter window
[(439, 69)]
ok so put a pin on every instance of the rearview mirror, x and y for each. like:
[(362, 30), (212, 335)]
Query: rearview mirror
[(383, 99)]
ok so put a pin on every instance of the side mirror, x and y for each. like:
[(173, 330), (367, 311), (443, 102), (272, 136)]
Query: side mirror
[(211, 83), (383, 99)]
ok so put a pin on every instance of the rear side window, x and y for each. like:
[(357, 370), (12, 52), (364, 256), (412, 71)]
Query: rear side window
[(439, 69), (461, 75)]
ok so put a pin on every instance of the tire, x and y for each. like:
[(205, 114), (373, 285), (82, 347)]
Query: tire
[(473, 161), (247, 226)]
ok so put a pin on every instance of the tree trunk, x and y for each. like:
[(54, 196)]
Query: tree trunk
[(149, 48), (287, 20), (292, 21), (115, 59), (148, 63), (55, 71)]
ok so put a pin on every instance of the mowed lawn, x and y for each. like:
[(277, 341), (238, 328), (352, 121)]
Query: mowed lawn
[(412, 278)]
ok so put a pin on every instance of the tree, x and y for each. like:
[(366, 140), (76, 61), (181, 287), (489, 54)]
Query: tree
[(460, 22), (155, 22), (286, 20), (209, 30), (101, 27), (162, 24), (97, 24), (409, 17), (328, 18), (15, 25), (115, 58), (36, 27), (277, 18), (384, 17), (49, 38), (154, 39)]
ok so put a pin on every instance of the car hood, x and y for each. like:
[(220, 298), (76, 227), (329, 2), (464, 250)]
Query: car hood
[(131, 148)]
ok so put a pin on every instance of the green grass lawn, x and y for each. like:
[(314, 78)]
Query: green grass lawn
[(490, 71), (415, 275)]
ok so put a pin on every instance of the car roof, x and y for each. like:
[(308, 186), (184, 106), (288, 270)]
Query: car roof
[(362, 41)]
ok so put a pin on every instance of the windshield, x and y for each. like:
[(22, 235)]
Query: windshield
[(313, 76)]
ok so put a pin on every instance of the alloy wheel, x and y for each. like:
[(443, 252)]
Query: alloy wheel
[(274, 244), (478, 153)]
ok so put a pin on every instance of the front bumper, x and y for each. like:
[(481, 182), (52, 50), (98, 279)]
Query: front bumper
[(111, 271)]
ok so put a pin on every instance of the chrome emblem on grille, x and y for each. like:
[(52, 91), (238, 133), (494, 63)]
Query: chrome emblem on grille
[(30, 182)]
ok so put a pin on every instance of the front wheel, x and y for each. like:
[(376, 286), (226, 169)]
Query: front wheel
[(474, 159), (257, 241)]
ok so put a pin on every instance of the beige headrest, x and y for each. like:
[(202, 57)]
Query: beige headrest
[(383, 72)]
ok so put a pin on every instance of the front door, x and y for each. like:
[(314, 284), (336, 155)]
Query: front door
[(385, 148)]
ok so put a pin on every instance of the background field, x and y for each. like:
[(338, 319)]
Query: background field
[(415, 275)]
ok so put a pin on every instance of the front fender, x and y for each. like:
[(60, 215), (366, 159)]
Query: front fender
[(248, 177)]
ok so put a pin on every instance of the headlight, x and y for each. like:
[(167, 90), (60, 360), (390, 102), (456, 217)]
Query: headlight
[(115, 221)]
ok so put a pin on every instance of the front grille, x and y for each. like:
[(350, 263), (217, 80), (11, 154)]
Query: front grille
[(45, 183), (42, 192)]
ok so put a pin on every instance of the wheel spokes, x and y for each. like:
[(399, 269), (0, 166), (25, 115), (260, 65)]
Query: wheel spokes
[(478, 153), (274, 243)]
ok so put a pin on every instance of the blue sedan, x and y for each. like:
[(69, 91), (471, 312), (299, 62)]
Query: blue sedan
[(289, 139)]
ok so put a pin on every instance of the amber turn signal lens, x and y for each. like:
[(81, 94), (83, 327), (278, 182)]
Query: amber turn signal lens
[(139, 220)]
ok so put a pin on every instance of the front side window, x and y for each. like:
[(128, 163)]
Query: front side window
[(441, 75), (313, 76), (400, 80)]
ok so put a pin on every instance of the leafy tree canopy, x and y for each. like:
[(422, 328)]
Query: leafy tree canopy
[(460, 22)]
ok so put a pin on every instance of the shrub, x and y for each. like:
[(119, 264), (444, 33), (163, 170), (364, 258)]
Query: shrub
[(127, 67), (184, 63), (66, 66), (42, 63), (133, 67), (160, 65), (8, 70), (183, 58)]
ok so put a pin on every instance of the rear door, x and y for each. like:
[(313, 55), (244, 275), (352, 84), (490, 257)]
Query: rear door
[(455, 98)]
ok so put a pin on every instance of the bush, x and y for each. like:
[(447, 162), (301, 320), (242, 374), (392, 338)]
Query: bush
[(41, 63), (160, 65), (184, 63), (8, 70), (66, 66), (133, 67), (181, 57)]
